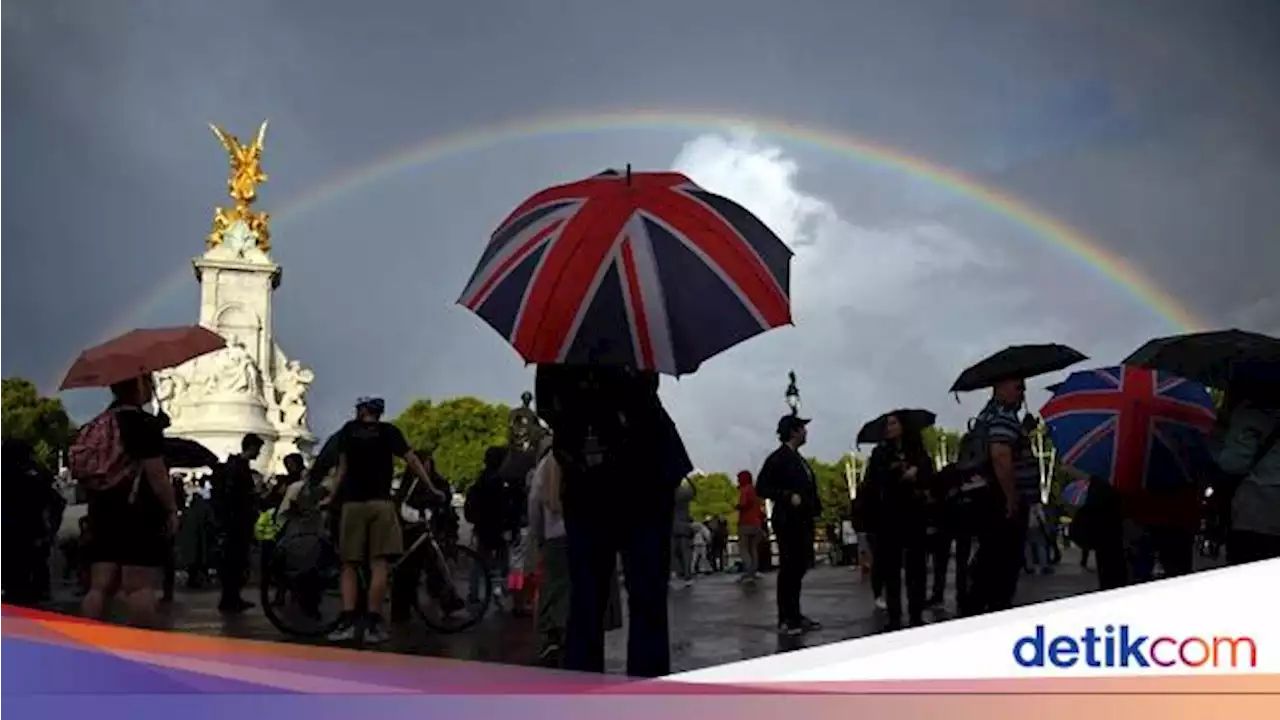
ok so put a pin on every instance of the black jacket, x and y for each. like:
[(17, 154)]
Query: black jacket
[(892, 501), (785, 473)]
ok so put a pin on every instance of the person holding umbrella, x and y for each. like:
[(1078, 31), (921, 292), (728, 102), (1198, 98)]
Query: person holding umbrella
[(997, 461), (118, 458), (1249, 458), (899, 474)]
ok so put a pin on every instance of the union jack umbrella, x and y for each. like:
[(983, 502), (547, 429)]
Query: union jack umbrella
[(1135, 428), (645, 270)]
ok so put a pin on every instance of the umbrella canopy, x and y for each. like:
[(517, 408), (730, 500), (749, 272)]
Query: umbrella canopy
[(1017, 362), (645, 270), (1076, 492), (1137, 429), (1209, 357), (138, 353), (916, 419), (184, 453)]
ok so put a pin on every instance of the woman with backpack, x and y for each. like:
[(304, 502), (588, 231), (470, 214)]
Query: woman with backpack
[(118, 459)]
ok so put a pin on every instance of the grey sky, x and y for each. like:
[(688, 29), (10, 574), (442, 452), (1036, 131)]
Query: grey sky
[(1149, 126)]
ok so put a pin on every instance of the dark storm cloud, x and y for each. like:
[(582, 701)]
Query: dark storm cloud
[(1149, 126)]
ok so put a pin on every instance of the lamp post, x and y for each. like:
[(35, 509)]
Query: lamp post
[(793, 394)]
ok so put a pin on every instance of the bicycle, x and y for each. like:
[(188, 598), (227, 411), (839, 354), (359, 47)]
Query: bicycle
[(303, 599)]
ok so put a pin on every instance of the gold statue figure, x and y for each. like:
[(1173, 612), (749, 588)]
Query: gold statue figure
[(242, 186)]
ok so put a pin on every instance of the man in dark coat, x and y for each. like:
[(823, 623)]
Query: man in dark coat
[(235, 505), (789, 482)]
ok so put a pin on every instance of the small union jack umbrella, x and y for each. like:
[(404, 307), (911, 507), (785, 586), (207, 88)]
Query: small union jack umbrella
[(645, 270), (1135, 428)]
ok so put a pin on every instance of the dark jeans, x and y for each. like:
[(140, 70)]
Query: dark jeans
[(997, 565), (899, 554), (1245, 547), (940, 552), (595, 540), (795, 557)]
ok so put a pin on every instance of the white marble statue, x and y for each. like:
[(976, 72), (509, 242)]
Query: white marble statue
[(292, 383), (172, 387), (235, 371)]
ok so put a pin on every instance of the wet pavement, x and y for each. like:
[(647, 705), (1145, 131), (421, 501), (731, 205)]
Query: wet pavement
[(715, 621)]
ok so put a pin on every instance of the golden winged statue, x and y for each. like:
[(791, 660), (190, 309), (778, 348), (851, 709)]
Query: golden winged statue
[(246, 163), (242, 186)]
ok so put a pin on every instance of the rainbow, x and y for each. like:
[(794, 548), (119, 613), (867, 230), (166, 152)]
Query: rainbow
[(1070, 241)]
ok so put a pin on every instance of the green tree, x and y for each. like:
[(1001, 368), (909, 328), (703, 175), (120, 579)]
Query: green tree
[(456, 432), (833, 489), (940, 439), (717, 496), (41, 421)]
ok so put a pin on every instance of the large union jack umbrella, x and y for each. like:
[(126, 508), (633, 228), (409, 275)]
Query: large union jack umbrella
[(1138, 429), (646, 270)]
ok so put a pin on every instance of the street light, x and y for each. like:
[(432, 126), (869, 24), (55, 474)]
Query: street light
[(793, 394)]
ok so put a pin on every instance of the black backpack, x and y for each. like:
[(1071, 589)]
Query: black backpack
[(969, 490)]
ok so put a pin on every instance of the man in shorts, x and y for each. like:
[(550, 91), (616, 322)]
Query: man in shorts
[(368, 530)]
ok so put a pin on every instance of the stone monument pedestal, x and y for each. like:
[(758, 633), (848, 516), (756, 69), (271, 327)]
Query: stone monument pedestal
[(250, 386)]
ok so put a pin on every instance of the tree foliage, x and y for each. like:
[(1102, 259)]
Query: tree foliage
[(41, 421), (717, 496), (833, 490), (456, 432)]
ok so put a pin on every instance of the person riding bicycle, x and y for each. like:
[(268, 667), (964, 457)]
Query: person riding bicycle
[(423, 512), (368, 530)]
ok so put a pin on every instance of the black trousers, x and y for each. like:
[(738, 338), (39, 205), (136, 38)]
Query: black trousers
[(1245, 547), (899, 554), (940, 554), (998, 563), (1112, 567), (795, 557), (236, 545), (595, 540)]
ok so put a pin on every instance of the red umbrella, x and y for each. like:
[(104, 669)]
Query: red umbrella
[(138, 353)]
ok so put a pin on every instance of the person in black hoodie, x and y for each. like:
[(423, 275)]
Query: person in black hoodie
[(787, 480), (486, 510), (621, 459), (900, 473)]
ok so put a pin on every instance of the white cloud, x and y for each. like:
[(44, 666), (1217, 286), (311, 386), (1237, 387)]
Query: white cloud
[(865, 303)]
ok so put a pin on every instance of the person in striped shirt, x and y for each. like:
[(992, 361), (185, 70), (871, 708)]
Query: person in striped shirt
[(1013, 465)]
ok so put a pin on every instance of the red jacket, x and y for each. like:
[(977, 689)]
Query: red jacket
[(750, 509)]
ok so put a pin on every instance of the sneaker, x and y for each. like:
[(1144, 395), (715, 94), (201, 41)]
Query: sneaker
[(345, 632), (376, 631), (881, 604), (790, 629), (810, 625), (550, 655)]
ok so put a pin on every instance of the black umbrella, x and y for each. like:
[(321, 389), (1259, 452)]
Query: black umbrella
[(1017, 362), (874, 431), (184, 453), (1208, 357)]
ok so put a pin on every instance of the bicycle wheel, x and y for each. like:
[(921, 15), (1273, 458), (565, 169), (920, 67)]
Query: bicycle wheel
[(302, 599), (459, 599)]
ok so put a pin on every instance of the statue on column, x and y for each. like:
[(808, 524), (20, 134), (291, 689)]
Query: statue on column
[(524, 432)]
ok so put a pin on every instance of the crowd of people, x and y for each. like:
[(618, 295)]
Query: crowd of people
[(609, 482)]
